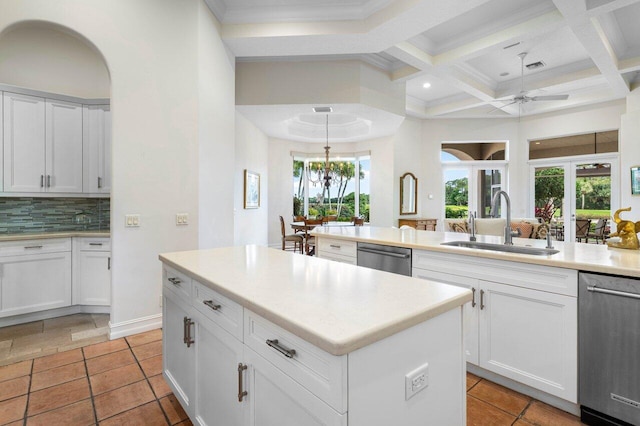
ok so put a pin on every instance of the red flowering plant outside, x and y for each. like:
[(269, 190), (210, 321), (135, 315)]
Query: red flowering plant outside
[(547, 211)]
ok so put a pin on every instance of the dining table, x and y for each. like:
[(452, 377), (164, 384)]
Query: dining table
[(301, 227)]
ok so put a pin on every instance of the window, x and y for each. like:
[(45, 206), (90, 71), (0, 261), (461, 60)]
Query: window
[(348, 194), (472, 173)]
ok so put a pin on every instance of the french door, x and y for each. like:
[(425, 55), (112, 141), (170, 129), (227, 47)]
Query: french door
[(572, 192), (470, 187)]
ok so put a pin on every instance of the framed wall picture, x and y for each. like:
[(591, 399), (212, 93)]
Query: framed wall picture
[(251, 190), (635, 180)]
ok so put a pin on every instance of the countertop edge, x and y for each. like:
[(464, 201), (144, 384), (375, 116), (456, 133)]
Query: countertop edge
[(51, 235)]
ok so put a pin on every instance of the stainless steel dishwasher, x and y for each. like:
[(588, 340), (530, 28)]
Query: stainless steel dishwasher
[(385, 258), (609, 345)]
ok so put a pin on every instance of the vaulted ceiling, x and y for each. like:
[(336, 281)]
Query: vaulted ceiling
[(466, 49)]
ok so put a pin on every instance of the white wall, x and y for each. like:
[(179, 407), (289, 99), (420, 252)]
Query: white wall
[(39, 57), (407, 158), (252, 153), (630, 153), (151, 48)]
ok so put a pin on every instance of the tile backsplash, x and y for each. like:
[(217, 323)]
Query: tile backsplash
[(21, 215)]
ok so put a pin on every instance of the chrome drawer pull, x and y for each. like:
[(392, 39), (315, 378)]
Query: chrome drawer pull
[(241, 393), (95, 244), (188, 340), (41, 181), (99, 182), (32, 247), (48, 181), (210, 304), (289, 353), (481, 299), (334, 246), (174, 281), (473, 297), (595, 289)]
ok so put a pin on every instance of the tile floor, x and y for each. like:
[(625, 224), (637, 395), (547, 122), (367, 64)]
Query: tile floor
[(494, 405), (47, 337), (120, 382)]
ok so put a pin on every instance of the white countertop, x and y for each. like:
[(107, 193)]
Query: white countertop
[(45, 235), (335, 306), (579, 256)]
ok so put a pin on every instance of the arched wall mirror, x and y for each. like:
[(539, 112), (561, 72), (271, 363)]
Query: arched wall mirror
[(408, 194)]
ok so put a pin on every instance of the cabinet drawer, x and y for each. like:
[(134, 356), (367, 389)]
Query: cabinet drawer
[(338, 258), (49, 245), (93, 244), (342, 247), (221, 310), (177, 282), (323, 374)]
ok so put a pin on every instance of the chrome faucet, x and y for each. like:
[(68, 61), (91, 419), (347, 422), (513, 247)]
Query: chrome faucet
[(472, 226), (508, 233)]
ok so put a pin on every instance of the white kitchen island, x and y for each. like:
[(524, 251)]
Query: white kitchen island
[(257, 336)]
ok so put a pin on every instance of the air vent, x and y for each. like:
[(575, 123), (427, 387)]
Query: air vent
[(322, 109), (535, 65)]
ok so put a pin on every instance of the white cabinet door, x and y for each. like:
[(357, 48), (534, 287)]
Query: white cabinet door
[(178, 359), (34, 282), (97, 148), (275, 399), (92, 283), (218, 354), (469, 310), (24, 143), (63, 146), (530, 336)]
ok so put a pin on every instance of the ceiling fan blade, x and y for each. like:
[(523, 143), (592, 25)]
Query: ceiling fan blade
[(500, 107), (550, 98)]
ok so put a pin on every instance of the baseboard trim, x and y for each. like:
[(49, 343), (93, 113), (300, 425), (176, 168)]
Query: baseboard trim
[(53, 313), (134, 326)]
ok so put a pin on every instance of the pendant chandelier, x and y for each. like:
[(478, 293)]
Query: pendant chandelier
[(327, 175)]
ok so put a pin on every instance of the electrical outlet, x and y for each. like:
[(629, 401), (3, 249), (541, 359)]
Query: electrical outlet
[(182, 218), (416, 381), (132, 220)]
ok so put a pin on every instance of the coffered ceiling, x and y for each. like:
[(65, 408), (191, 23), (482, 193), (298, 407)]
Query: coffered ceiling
[(466, 49)]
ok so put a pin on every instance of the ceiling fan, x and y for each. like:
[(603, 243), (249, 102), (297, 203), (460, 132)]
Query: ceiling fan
[(522, 97)]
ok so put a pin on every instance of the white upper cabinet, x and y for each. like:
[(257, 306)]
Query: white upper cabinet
[(97, 148), (24, 143), (42, 144), (63, 151)]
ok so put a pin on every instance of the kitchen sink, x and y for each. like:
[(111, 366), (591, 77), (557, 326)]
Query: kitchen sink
[(536, 251)]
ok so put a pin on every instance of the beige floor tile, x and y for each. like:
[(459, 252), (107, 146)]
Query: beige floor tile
[(48, 339), (480, 413), (122, 399), (58, 396), (110, 361), (92, 332), (15, 370), (20, 330), (27, 354), (541, 414), (12, 409), (147, 350), (58, 375), (505, 399), (173, 409), (148, 414), (84, 342), (77, 414), (93, 351), (100, 320), (56, 360), (146, 337), (14, 387), (6, 344), (76, 321), (115, 378)]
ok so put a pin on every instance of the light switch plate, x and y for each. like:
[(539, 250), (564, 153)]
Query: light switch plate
[(132, 220), (182, 218)]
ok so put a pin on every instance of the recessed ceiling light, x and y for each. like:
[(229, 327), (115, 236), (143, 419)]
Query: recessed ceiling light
[(426, 85), (504, 74)]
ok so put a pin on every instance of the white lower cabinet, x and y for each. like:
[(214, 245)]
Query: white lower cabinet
[(523, 333), (35, 275), (91, 271), (343, 251)]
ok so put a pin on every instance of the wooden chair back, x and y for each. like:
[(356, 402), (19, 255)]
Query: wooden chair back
[(357, 221), (582, 228)]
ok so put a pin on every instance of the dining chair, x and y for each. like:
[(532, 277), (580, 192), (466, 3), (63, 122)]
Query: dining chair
[(330, 218), (310, 240), (599, 231), (296, 239), (582, 229), (357, 221)]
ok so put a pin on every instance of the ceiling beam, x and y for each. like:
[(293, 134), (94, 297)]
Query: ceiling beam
[(590, 34)]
